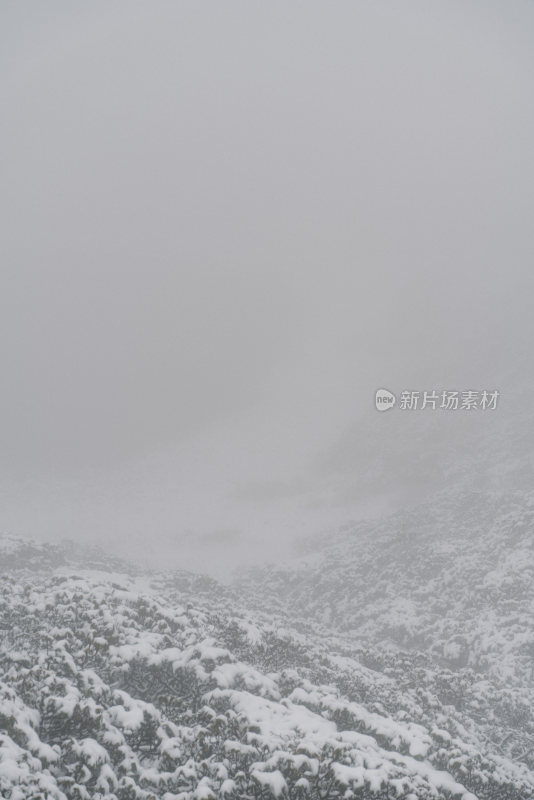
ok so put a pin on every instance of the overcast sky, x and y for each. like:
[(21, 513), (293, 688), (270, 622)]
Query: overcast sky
[(224, 226)]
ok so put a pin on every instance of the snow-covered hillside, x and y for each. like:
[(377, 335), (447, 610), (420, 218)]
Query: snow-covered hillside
[(394, 664), (447, 587)]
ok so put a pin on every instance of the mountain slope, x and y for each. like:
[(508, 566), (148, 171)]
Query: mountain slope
[(446, 587), (121, 687)]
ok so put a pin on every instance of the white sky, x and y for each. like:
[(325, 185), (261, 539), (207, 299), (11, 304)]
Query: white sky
[(225, 225)]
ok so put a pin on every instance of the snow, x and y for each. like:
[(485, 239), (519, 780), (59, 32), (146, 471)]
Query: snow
[(231, 674), (203, 791), (242, 724), (90, 751), (228, 787), (274, 781), (131, 713)]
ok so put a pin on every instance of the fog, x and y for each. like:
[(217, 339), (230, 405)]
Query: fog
[(225, 226)]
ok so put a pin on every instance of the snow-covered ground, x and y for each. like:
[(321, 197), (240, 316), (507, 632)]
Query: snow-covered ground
[(339, 679)]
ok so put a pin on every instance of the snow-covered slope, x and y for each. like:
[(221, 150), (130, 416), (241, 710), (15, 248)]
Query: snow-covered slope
[(119, 685), (449, 568), (447, 587)]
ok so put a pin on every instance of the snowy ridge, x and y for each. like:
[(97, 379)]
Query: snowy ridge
[(119, 687)]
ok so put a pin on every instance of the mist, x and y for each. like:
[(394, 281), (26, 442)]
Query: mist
[(225, 226)]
